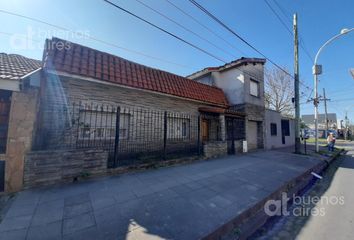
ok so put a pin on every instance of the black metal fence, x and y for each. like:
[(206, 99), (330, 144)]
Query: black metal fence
[(131, 135)]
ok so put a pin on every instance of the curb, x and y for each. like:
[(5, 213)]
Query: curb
[(253, 218)]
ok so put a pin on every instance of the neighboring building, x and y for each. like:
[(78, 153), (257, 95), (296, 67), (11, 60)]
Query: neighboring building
[(309, 120), (19, 82), (279, 130), (243, 84)]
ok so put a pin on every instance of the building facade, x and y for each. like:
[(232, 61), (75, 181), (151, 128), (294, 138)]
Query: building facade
[(242, 81), (279, 130)]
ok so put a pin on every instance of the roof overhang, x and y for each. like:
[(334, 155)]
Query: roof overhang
[(227, 112), (10, 84), (16, 85)]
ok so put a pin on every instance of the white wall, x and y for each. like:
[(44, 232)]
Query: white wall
[(272, 142), (235, 82)]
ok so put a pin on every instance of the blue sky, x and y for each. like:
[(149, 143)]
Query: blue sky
[(318, 21)]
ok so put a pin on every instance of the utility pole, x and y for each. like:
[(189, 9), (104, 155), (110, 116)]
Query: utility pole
[(326, 114), (297, 87), (346, 126)]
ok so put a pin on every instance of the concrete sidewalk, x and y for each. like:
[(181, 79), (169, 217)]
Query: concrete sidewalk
[(180, 202)]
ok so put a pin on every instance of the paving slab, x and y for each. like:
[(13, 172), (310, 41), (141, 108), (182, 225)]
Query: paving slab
[(179, 202)]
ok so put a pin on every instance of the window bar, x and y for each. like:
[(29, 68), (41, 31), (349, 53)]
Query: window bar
[(83, 128), (107, 130), (103, 128), (78, 125), (116, 139), (165, 135)]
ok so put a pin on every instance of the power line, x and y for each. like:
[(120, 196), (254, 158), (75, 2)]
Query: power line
[(283, 11), (287, 28), (92, 38), (236, 34), (204, 26), (278, 17), (185, 28), (163, 30), (200, 7), (302, 45)]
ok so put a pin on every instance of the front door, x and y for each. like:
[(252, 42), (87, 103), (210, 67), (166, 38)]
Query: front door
[(5, 103), (252, 135), (205, 130)]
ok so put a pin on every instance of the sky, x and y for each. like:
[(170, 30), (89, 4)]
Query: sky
[(123, 35)]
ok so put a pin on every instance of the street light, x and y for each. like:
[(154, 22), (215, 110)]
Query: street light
[(317, 70)]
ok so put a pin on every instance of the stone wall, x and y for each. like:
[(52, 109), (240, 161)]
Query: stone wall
[(23, 114), (50, 167), (214, 149)]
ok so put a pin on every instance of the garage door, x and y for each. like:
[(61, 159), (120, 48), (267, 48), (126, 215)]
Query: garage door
[(252, 135)]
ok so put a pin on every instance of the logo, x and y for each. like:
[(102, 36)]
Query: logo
[(301, 205)]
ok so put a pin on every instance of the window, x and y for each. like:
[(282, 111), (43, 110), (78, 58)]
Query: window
[(273, 129), (178, 128), (285, 127), (254, 88), (101, 125)]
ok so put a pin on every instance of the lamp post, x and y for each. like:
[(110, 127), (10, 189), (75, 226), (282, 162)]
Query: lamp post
[(317, 70)]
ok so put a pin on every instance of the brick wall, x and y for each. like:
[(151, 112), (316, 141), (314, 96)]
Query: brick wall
[(50, 167)]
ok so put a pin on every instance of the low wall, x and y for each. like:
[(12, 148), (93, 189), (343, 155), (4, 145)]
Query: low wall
[(50, 167), (238, 146), (215, 149)]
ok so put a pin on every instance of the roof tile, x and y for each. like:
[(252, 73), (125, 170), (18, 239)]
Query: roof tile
[(87, 62), (13, 66)]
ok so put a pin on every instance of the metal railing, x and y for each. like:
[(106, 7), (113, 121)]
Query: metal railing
[(131, 135)]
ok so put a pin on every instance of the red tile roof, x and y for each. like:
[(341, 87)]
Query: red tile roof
[(13, 66), (87, 62)]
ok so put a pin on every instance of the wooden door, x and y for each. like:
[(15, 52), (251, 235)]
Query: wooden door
[(5, 103), (205, 130)]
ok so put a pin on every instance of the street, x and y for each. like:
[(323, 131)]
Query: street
[(331, 217)]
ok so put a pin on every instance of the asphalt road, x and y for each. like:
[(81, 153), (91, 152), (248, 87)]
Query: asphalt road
[(325, 211), (338, 220)]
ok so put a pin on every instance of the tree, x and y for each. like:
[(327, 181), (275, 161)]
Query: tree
[(279, 91)]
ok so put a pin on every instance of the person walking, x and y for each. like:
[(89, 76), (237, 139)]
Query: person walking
[(330, 141)]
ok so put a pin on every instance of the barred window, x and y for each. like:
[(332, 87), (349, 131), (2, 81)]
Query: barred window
[(101, 125), (178, 128)]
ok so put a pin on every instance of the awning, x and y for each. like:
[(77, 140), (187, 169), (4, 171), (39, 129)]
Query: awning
[(227, 112)]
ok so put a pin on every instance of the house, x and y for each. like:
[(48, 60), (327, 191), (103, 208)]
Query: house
[(309, 120), (90, 105), (90, 112), (19, 90), (242, 81)]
